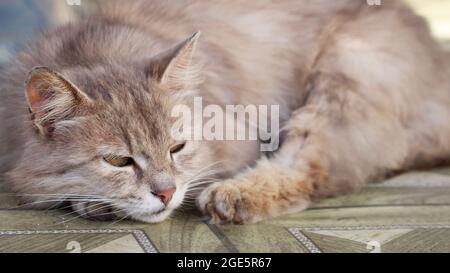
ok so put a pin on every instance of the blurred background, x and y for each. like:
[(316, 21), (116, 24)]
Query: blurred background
[(21, 20)]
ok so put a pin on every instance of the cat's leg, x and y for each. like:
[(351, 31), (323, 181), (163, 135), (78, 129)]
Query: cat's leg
[(337, 142), (332, 145)]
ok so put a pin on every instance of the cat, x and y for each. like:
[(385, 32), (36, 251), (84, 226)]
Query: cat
[(363, 92)]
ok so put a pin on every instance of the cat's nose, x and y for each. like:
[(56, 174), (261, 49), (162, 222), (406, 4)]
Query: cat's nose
[(165, 195)]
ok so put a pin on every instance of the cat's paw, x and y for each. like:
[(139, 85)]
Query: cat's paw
[(223, 202)]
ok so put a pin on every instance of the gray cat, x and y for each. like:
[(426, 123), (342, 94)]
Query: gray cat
[(364, 92)]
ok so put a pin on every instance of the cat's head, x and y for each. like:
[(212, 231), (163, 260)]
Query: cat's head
[(102, 137)]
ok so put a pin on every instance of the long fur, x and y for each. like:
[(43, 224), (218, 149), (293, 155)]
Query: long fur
[(363, 90)]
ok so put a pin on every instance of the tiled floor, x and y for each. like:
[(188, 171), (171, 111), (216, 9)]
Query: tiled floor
[(409, 213)]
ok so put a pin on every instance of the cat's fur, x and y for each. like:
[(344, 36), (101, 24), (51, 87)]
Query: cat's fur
[(364, 91)]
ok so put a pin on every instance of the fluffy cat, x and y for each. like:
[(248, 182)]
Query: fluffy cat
[(364, 92)]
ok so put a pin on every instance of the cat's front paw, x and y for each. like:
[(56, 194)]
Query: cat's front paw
[(225, 203)]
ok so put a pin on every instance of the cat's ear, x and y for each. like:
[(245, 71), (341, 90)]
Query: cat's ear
[(174, 67), (52, 98)]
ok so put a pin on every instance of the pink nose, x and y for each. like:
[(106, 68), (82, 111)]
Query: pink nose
[(165, 195)]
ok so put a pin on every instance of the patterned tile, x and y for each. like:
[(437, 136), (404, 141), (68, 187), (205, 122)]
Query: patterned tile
[(364, 239), (82, 240)]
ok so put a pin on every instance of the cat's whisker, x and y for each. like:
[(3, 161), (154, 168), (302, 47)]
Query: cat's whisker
[(127, 214), (211, 171), (192, 194), (58, 198), (202, 183), (201, 179), (214, 164), (85, 208), (203, 170), (190, 199), (204, 173), (199, 187), (190, 205), (76, 211), (109, 213), (51, 194), (66, 196), (82, 214), (57, 202), (189, 202), (26, 205)]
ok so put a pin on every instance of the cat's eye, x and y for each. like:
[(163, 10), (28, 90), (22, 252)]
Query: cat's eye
[(177, 147), (119, 161)]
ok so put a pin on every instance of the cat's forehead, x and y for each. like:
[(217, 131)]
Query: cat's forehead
[(136, 116), (104, 82), (134, 111)]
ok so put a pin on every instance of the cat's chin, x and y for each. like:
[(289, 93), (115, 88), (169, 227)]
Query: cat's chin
[(152, 218), (102, 212)]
